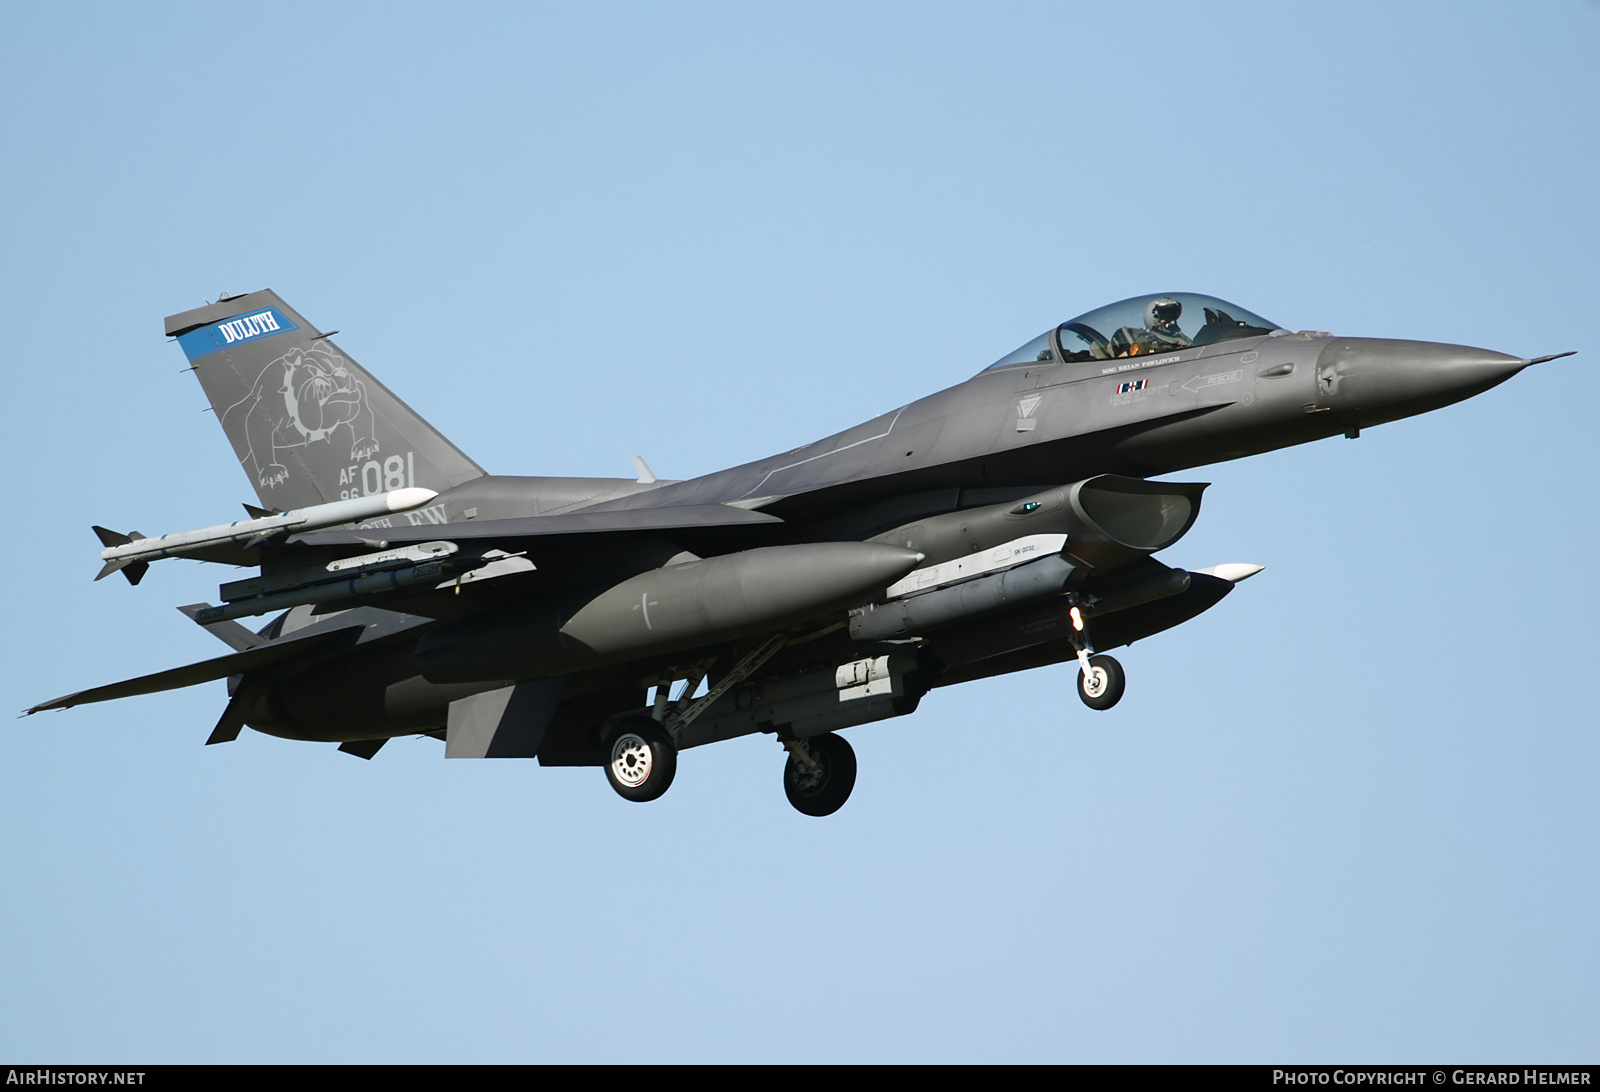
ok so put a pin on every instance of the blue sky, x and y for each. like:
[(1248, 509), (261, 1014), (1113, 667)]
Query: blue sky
[(1348, 814)]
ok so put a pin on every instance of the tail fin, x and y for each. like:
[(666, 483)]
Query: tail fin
[(307, 423)]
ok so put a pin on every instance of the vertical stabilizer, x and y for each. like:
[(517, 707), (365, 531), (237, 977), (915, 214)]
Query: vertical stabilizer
[(307, 423)]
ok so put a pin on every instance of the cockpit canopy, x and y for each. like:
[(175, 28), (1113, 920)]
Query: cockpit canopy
[(1141, 325)]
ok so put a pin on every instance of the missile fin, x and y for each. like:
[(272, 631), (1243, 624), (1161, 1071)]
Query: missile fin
[(109, 538), (133, 570)]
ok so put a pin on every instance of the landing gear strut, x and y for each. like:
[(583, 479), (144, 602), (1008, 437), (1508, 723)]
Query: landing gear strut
[(1101, 680), (820, 773), (640, 758), (642, 750)]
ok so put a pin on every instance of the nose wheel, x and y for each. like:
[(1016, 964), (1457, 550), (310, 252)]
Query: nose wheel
[(1100, 678), (1101, 682), (820, 773), (640, 759)]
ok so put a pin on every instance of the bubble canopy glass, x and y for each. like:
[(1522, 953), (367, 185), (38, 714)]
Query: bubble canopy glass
[(1141, 325)]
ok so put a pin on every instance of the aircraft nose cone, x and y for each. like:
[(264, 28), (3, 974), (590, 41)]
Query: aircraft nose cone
[(1366, 373)]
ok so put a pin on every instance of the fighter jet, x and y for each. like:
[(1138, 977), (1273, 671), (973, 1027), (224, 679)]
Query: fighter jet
[(1006, 523)]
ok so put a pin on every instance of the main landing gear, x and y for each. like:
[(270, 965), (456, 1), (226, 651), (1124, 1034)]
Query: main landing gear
[(640, 758), (641, 753), (820, 773), (641, 762)]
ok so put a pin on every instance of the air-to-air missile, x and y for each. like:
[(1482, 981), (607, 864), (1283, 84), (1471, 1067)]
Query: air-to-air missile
[(125, 550)]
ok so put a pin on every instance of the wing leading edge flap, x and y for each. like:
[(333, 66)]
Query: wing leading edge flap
[(208, 670), (574, 523)]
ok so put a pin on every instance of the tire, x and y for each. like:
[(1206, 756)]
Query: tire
[(1103, 686), (826, 794), (640, 759)]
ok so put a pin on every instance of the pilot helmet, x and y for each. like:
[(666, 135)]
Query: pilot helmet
[(1162, 313)]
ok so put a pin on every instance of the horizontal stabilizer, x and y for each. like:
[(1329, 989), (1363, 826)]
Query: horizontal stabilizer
[(208, 670), (573, 523), (227, 631)]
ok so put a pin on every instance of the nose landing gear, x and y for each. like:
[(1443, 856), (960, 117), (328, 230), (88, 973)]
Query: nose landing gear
[(1101, 681)]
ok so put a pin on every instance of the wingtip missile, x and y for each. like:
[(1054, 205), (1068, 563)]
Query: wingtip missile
[(135, 548), (399, 500)]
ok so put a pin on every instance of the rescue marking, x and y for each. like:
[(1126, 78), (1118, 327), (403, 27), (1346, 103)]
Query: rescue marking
[(1214, 380)]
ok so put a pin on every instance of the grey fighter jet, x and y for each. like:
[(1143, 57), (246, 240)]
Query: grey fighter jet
[(1006, 523)]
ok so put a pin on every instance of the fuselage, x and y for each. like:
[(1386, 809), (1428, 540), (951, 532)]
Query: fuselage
[(1031, 425)]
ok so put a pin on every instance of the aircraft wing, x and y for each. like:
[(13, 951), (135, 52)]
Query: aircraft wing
[(696, 517)]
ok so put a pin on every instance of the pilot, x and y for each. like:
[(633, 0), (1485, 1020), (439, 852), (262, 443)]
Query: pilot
[(1161, 320)]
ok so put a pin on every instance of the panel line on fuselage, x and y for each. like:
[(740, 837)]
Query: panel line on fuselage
[(825, 454)]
